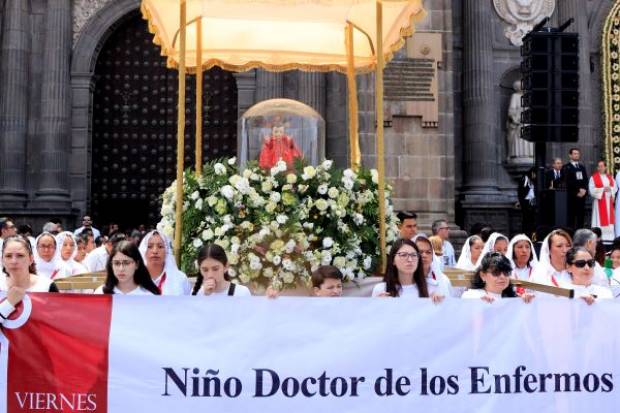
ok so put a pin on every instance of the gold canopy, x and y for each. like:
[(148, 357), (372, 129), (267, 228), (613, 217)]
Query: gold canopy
[(278, 35)]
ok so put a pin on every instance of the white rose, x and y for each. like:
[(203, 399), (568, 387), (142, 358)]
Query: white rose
[(309, 173), (326, 258), (322, 189), (288, 278), (270, 207), (328, 242), (375, 175), (321, 204), (266, 186), (219, 169), (282, 219), (327, 164), (207, 234), (332, 193), (276, 260), (367, 263), (291, 179), (268, 272), (247, 173), (348, 183), (339, 262), (290, 246), (232, 161), (198, 204), (195, 195), (275, 197), (197, 243), (243, 185), (227, 192), (212, 200)]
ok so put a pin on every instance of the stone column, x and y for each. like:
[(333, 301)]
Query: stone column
[(479, 146), (269, 85), (14, 91), (55, 106), (566, 10)]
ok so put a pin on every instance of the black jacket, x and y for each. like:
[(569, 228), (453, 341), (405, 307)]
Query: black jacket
[(574, 182)]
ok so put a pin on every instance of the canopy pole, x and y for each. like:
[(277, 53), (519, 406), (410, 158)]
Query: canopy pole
[(354, 142), (380, 146), (178, 226), (199, 96)]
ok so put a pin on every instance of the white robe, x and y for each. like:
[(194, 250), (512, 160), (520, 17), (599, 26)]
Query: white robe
[(597, 194)]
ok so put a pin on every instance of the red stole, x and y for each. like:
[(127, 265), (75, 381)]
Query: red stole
[(605, 211)]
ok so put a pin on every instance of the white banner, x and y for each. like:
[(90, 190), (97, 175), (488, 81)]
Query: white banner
[(288, 355)]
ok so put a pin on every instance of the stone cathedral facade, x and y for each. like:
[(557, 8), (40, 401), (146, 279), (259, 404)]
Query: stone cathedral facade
[(88, 110)]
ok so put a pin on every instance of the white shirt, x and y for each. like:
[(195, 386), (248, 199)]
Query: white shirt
[(136, 291), (438, 284), (522, 273), (240, 291), (176, 283), (97, 259), (41, 285), (592, 289), (600, 277), (448, 259), (96, 233), (547, 275), (478, 293)]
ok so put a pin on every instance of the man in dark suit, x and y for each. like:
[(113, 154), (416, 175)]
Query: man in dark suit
[(554, 178), (576, 179)]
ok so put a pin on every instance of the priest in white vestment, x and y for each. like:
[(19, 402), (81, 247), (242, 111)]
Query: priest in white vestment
[(602, 188)]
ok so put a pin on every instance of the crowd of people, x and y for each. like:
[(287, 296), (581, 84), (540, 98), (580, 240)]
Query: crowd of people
[(143, 264), (572, 178)]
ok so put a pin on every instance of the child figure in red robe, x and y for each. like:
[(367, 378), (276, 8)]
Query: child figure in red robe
[(278, 147)]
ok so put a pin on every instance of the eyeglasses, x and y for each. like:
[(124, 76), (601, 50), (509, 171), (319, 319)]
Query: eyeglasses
[(583, 263), (122, 264), (497, 274), (407, 256)]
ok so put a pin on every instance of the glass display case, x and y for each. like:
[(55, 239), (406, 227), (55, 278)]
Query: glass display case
[(281, 129)]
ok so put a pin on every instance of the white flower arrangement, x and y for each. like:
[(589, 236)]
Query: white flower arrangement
[(277, 226)]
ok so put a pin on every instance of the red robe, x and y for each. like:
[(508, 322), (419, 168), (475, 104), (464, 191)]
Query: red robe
[(275, 149)]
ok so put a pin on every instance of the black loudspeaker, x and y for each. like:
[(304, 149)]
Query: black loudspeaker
[(550, 70)]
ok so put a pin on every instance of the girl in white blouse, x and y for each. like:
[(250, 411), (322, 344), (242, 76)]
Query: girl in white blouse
[(404, 275), (213, 278), (126, 272)]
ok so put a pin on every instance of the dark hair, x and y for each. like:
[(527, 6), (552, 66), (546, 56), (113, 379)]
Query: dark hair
[(601, 160), (403, 215), (598, 232), (24, 229), (573, 149), (83, 237), (485, 233), (572, 253), (141, 276), (476, 228), (392, 285), (26, 243), (212, 251), (494, 263), (116, 237), (561, 233), (325, 272), (4, 222)]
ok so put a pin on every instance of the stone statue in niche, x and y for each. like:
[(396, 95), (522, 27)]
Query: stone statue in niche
[(522, 15), (519, 150)]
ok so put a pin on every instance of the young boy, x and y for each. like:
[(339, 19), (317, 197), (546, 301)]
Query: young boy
[(327, 281)]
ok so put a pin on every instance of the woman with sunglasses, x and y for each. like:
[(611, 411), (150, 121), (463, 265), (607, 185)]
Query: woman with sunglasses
[(492, 280), (404, 275), (581, 269), (126, 272)]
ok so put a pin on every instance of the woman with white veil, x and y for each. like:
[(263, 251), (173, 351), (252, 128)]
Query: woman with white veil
[(66, 251), (522, 256), (496, 243), (45, 247), (157, 254), (552, 268), (470, 253)]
